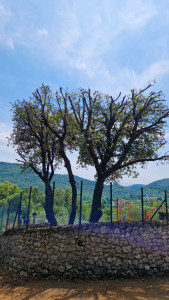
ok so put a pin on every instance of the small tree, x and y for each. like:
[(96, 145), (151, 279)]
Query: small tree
[(118, 134), (35, 143)]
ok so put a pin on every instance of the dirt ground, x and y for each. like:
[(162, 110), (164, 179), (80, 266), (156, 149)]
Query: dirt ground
[(16, 288)]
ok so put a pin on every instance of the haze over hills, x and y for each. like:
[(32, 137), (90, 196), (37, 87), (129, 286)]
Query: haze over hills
[(12, 172)]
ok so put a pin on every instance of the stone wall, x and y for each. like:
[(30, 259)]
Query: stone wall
[(94, 251)]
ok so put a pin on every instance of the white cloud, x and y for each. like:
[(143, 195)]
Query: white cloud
[(42, 32), (69, 33), (156, 70), (137, 13), (5, 131), (80, 35), (7, 153), (5, 16), (151, 173), (83, 38), (82, 47), (4, 12), (79, 64), (10, 43), (85, 30), (125, 78)]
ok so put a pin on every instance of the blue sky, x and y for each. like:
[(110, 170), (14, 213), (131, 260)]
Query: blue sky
[(110, 46)]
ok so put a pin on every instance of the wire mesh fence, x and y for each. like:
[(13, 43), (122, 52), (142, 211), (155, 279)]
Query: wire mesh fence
[(142, 203), (126, 210), (29, 207), (3, 217)]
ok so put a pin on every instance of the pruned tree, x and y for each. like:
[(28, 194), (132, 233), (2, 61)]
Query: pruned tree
[(59, 122), (118, 134), (36, 145)]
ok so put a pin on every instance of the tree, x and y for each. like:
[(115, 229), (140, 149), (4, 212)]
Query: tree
[(57, 118), (118, 134), (7, 192), (35, 143)]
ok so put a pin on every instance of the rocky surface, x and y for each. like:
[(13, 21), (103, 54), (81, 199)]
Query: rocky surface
[(92, 251)]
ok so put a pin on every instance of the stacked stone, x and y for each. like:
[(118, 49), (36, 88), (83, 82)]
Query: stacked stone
[(93, 251)]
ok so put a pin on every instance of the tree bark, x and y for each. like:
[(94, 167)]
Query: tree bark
[(73, 186), (49, 204), (96, 212), (74, 197)]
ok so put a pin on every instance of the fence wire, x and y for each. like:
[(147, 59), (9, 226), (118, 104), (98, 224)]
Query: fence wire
[(28, 208)]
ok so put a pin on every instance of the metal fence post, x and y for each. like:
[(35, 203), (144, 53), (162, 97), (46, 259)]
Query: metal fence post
[(80, 213), (27, 219), (117, 209), (19, 211), (8, 211), (2, 214), (157, 210), (53, 194), (166, 206), (111, 203), (142, 204)]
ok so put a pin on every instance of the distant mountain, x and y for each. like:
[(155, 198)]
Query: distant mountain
[(157, 188), (12, 172), (135, 187), (162, 184)]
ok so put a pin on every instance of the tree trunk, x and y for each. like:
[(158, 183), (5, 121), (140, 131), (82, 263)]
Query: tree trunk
[(74, 197), (73, 186), (96, 212), (49, 204)]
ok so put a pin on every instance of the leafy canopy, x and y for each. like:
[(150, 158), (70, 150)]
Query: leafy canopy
[(7, 192), (33, 141), (117, 134)]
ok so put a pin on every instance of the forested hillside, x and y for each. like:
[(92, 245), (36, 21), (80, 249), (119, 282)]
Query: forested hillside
[(11, 172)]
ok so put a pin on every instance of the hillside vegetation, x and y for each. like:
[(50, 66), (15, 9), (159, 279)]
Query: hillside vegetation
[(11, 172)]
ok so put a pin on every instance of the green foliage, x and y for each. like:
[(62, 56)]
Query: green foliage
[(117, 134), (7, 192), (37, 199), (63, 198), (153, 202), (62, 201), (33, 141), (62, 206)]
